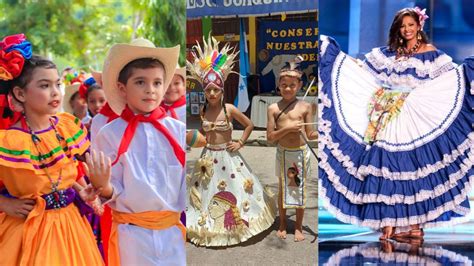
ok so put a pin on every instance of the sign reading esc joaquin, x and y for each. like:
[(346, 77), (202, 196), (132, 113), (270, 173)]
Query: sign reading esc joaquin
[(221, 8)]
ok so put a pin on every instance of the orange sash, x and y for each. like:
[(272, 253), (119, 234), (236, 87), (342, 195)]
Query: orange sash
[(154, 220)]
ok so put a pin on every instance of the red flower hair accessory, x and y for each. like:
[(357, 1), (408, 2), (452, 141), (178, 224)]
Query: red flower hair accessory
[(85, 85), (421, 16), (14, 49), (12, 40)]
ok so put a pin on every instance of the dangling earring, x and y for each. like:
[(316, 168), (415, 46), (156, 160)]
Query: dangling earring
[(400, 40), (418, 36)]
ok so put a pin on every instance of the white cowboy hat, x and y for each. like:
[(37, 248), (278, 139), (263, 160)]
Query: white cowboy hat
[(68, 92), (97, 76), (181, 71), (121, 54)]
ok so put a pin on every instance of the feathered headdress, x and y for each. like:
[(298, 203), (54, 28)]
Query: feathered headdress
[(211, 66), (292, 68)]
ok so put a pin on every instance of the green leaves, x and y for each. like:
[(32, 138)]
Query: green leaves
[(78, 33), (164, 23)]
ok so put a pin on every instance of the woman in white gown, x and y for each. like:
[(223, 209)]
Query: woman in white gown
[(396, 135)]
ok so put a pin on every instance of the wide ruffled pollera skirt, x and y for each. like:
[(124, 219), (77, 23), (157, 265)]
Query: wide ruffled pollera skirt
[(418, 168), (48, 237), (226, 203)]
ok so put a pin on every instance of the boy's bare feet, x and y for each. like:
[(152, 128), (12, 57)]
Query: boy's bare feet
[(281, 233), (299, 235), (299, 225)]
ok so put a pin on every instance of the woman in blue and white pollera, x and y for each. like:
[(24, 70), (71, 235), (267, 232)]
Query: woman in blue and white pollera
[(396, 134)]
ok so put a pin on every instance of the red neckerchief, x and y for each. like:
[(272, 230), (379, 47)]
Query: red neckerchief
[(108, 112), (133, 121), (180, 102)]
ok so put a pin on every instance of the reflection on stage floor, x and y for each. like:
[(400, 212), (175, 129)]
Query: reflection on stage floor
[(345, 244)]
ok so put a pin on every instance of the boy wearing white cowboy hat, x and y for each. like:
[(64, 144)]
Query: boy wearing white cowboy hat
[(174, 101), (145, 183)]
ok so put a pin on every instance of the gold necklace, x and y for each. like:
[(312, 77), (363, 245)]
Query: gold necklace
[(402, 51)]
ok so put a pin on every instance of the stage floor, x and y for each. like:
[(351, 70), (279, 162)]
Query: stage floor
[(345, 244)]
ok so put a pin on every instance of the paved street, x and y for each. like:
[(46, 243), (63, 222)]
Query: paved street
[(265, 248)]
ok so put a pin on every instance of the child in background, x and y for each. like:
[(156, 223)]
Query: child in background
[(105, 115), (284, 126), (74, 100), (174, 101), (145, 184), (74, 103), (95, 98)]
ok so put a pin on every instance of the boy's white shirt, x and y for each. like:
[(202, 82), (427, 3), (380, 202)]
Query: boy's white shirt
[(148, 177), (180, 112), (98, 122), (149, 171), (86, 118)]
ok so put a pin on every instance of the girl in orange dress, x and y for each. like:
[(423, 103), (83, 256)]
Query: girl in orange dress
[(38, 167)]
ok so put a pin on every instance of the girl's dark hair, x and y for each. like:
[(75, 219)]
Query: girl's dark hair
[(394, 35), (30, 65), (23, 79), (91, 88)]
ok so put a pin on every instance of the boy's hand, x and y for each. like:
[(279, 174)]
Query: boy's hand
[(98, 168), (19, 208), (313, 135), (234, 146), (295, 126)]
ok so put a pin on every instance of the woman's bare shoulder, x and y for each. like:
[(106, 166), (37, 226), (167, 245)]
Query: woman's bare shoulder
[(428, 47)]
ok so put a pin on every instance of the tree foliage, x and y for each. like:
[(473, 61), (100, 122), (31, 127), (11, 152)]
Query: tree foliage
[(164, 23), (78, 33)]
